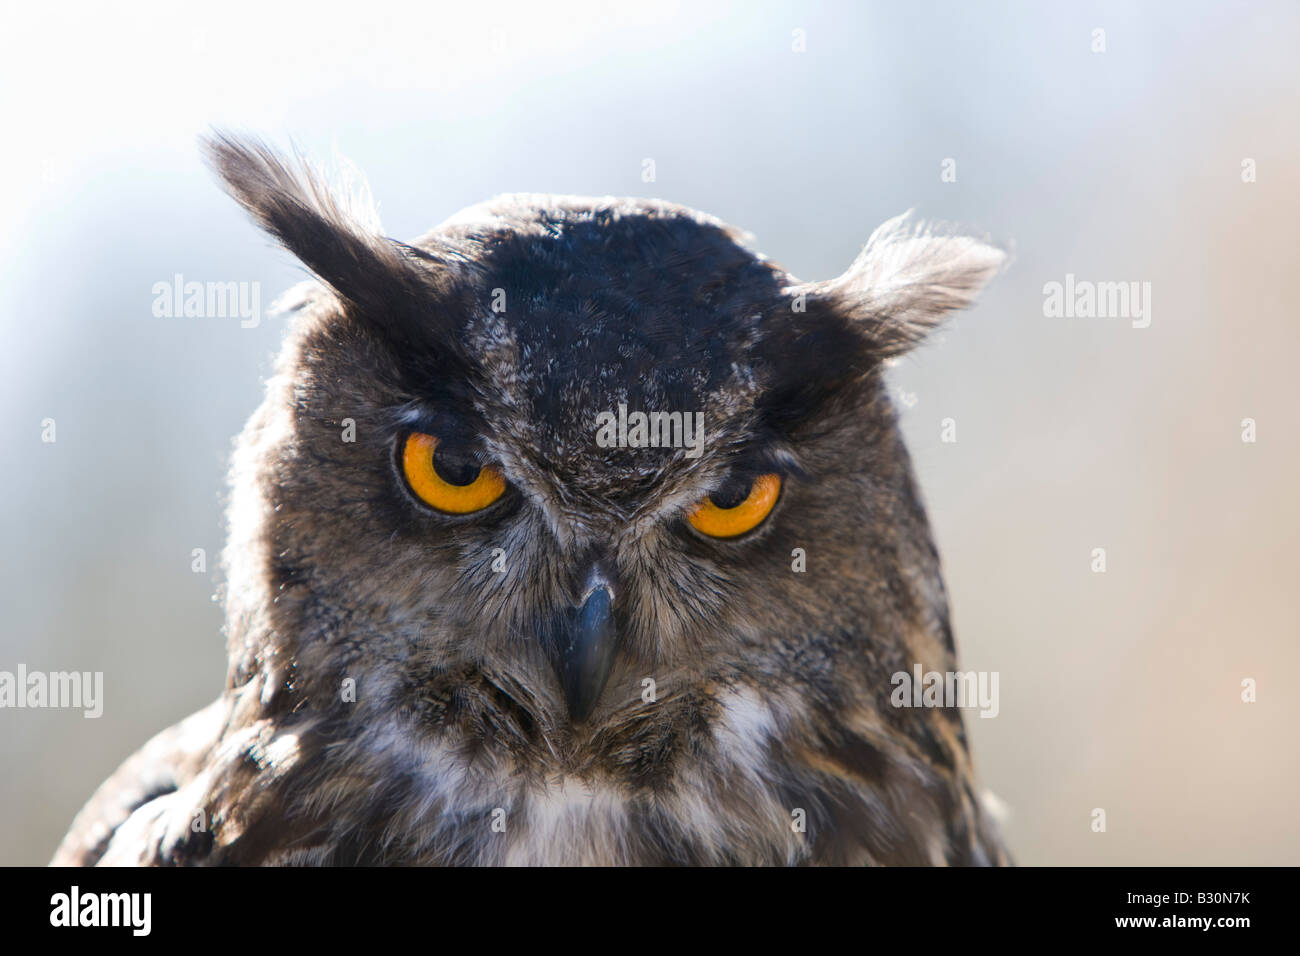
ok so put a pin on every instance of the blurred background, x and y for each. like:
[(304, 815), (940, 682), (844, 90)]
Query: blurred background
[(807, 124)]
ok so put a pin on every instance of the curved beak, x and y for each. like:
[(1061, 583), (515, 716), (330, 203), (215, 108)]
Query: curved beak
[(586, 645)]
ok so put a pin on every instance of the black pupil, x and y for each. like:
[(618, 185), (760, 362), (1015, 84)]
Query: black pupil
[(454, 466), (732, 493)]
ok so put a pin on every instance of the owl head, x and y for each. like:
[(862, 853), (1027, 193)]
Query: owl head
[(559, 450)]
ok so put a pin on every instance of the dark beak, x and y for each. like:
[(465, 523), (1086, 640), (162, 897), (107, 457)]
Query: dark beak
[(587, 642)]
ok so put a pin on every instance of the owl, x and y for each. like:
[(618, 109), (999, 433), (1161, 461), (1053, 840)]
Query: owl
[(573, 532)]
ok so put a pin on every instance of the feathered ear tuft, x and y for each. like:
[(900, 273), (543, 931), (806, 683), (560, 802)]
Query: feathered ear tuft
[(907, 278), (335, 235), (394, 288)]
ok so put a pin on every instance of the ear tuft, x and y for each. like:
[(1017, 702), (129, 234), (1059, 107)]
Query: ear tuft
[(907, 278), (336, 234)]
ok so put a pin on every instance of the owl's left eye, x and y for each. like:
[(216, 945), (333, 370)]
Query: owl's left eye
[(737, 508), (448, 482)]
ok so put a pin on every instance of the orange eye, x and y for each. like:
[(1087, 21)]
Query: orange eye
[(717, 522), (476, 493)]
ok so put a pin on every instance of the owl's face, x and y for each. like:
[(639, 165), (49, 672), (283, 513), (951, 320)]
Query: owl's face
[(446, 499)]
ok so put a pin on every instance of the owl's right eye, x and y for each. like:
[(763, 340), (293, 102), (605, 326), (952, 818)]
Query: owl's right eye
[(448, 483)]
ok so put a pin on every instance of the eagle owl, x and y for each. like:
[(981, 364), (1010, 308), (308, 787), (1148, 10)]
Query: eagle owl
[(573, 532)]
